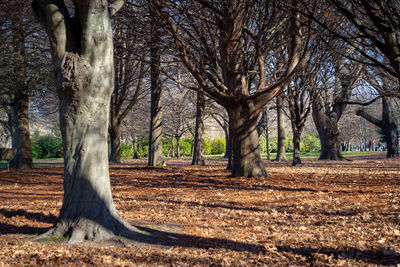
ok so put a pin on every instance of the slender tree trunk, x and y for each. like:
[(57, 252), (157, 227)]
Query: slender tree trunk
[(115, 139), (198, 145), (178, 148), (296, 146), (21, 133), (173, 147), (267, 143), (156, 157), (246, 160), (135, 154), (281, 153), (21, 136)]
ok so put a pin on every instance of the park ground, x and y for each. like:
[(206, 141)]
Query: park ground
[(319, 214)]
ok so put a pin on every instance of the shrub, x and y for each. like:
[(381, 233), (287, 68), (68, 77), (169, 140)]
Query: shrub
[(207, 147), (218, 146), (126, 151), (46, 146), (310, 143)]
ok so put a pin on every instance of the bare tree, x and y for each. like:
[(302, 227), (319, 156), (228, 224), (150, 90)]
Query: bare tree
[(233, 41), (82, 53)]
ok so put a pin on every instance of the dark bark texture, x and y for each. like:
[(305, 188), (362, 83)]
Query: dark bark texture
[(198, 146), (21, 133), (388, 126)]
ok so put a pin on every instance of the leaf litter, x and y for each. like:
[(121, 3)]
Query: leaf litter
[(321, 213)]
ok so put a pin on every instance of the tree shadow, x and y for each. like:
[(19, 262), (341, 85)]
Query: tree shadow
[(37, 216), (381, 257)]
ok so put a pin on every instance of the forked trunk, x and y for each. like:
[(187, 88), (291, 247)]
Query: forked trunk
[(246, 161), (115, 136), (21, 136), (198, 145), (328, 131)]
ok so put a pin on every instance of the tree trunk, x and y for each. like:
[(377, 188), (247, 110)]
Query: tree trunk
[(267, 143), (135, 154), (388, 125), (296, 146), (246, 160), (198, 145), (178, 149), (21, 133), (328, 131), (21, 136), (84, 68), (156, 157), (115, 138), (281, 156), (173, 147)]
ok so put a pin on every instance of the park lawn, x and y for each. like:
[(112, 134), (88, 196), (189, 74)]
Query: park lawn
[(320, 214)]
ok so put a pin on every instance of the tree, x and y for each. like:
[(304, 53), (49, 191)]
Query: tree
[(388, 126), (375, 31), (198, 146), (82, 53), (329, 105), (233, 38), (281, 150), (156, 157), (130, 70), (178, 109), (301, 91), (18, 83)]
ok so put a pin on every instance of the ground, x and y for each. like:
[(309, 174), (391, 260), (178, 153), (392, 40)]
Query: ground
[(321, 213)]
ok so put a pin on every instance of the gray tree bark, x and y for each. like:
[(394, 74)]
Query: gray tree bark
[(83, 63), (156, 157), (281, 149)]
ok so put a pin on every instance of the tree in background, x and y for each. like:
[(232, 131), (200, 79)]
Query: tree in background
[(233, 43)]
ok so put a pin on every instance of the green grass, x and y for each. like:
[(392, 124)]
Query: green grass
[(38, 162)]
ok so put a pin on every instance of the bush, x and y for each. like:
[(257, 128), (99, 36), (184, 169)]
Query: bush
[(218, 146), (207, 147), (46, 146), (126, 151), (310, 143), (186, 146)]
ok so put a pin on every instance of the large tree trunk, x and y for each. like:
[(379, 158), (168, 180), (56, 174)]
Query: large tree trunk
[(83, 61), (281, 152), (115, 138), (198, 146), (246, 160), (328, 131), (156, 157), (21, 136)]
